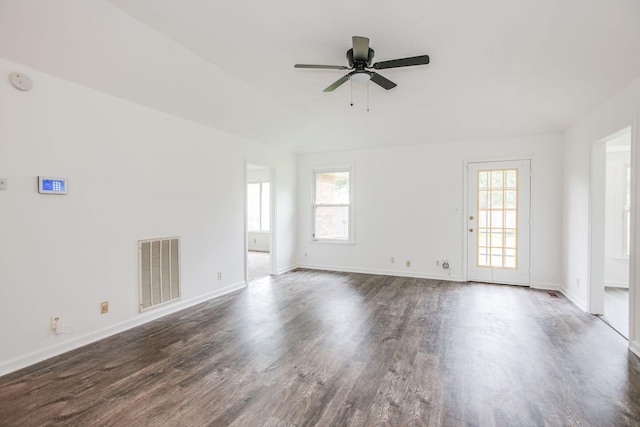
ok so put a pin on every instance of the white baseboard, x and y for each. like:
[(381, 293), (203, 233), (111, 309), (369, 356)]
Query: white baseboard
[(582, 305), (287, 269), (610, 284), (634, 346), (547, 286), (381, 272), (46, 353)]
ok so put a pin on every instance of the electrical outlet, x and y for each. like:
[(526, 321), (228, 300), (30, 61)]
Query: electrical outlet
[(408, 263), (104, 307), (219, 275), (56, 321), (393, 260), (578, 282), (437, 262), (305, 254), (3, 183), (445, 264)]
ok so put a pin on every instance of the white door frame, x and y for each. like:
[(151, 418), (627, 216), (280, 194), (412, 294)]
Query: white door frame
[(465, 195), (272, 219), (634, 270), (597, 202)]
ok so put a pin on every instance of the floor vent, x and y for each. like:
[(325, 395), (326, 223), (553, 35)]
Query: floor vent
[(159, 270), (553, 294)]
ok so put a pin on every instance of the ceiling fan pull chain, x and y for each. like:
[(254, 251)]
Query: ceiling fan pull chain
[(368, 95), (351, 82)]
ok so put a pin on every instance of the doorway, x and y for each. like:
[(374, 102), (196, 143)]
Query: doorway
[(498, 232), (259, 221), (610, 230)]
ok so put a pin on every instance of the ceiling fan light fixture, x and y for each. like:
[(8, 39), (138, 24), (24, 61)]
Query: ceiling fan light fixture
[(360, 78)]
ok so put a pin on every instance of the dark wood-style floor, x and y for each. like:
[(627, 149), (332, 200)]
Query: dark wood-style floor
[(338, 349)]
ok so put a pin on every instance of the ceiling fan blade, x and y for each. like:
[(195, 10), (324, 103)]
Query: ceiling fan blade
[(404, 62), (338, 83), (382, 81), (360, 48), (328, 67)]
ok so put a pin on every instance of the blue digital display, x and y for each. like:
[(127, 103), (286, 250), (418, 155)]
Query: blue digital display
[(56, 185), (51, 185)]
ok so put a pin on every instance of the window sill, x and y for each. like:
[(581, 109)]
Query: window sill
[(334, 242)]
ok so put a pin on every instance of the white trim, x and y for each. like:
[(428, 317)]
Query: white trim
[(634, 346), (596, 218), (273, 249), (498, 159), (582, 305), (610, 284), (543, 286), (287, 269), (351, 238), (140, 319), (634, 294), (382, 272)]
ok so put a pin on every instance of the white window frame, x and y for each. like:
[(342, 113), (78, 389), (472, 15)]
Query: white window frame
[(351, 234)]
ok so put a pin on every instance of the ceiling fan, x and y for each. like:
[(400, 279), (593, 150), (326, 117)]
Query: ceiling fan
[(360, 58)]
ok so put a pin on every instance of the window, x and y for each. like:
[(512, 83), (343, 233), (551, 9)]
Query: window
[(332, 205), (258, 206)]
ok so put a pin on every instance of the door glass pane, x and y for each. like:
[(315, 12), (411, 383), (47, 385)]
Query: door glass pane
[(483, 259), (497, 218), (496, 199), (483, 199), (510, 199), (483, 219), (483, 180)]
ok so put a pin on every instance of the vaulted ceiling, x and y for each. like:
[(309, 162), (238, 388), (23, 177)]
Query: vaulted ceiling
[(498, 68)]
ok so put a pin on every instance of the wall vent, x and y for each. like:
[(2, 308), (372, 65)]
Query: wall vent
[(159, 270)]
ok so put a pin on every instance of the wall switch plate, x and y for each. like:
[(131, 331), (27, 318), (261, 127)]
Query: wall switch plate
[(3, 183)]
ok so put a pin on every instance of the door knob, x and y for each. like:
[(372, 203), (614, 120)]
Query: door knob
[(471, 230), (471, 217)]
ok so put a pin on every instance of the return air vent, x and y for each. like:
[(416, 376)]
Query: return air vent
[(159, 269)]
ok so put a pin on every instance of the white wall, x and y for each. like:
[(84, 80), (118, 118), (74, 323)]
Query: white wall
[(134, 173), (617, 113), (259, 241), (409, 205)]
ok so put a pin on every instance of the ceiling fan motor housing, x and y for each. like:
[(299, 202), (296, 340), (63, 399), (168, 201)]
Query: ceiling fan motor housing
[(360, 65)]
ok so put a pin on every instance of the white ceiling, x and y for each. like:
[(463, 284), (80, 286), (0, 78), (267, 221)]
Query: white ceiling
[(499, 68)]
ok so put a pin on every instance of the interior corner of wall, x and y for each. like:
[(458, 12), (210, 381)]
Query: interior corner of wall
[(582, 305)]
